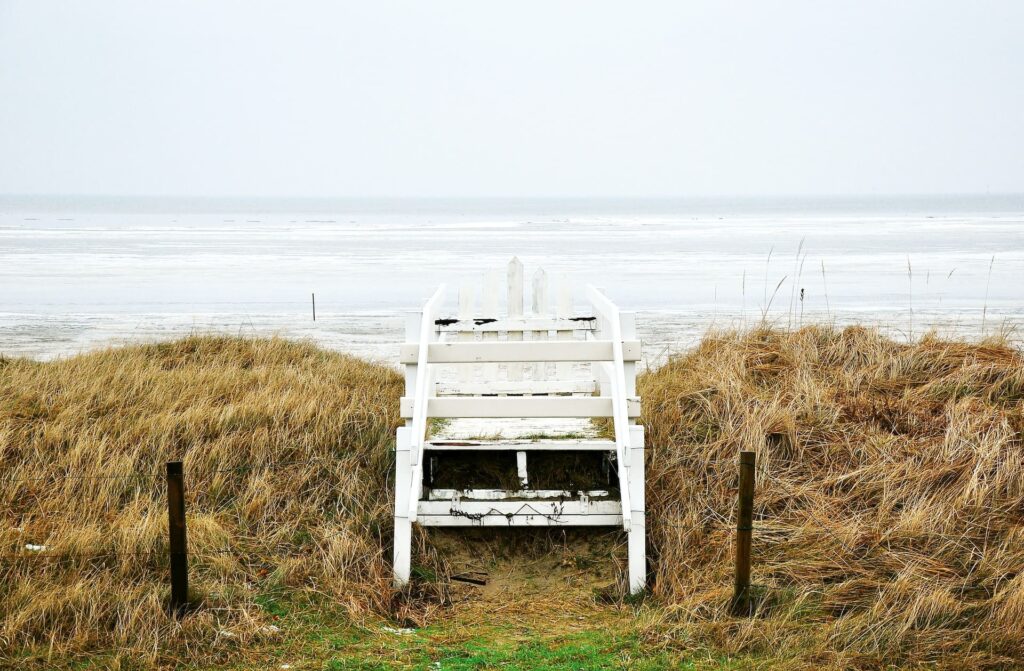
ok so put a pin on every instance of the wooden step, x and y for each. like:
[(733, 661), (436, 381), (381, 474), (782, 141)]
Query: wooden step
[(519, 406), (520, 351), (515, 324), (558, 445), (603, 512), (525, 387), (466, 495)]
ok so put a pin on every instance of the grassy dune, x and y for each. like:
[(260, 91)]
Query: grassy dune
[(226, 407), (889, 514)]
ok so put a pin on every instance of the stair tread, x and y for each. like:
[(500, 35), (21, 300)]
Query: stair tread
[(520, 441), (496, 430)]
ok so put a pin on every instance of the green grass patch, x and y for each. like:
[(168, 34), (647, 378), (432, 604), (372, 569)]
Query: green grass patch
[(511, 649), (315, 634)]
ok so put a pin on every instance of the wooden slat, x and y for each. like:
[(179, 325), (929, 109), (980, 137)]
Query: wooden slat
[(566, 520), (540, 292), (514, 444), (540, 309), (519, 406), (466, 298), (514, 370), (601, 512), (540, 368), (514, 306), (503, 352), (489, 309), (517, 387), (468, 495), (519, 324), (563, 310)]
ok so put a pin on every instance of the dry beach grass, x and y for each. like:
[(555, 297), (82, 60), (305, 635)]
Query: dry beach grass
[(889, 518), (287, 456), (889, 512)]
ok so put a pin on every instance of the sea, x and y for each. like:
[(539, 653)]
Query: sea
[(80, 273)]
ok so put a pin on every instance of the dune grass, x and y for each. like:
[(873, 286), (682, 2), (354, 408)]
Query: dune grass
[(318, 518), (889, 513)]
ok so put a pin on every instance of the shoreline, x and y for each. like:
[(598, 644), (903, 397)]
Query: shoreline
[(377, 335)]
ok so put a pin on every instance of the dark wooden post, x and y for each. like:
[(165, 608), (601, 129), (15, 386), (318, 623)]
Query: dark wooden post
[(314, 306), (744, 526), (176, 529)]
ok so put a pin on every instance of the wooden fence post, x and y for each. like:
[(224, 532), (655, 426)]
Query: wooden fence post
[(744, 526), (176, 530)]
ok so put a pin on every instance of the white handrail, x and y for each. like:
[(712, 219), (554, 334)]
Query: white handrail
[(619, 408), (620, 449), (419, 410), (620, 413)]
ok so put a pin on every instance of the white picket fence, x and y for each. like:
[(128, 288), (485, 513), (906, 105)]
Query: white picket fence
[(517, 370)]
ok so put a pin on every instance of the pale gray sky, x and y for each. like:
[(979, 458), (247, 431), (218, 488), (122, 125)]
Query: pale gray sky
[(522, 98)]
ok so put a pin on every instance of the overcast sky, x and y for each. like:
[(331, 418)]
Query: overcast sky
[(519, 98)]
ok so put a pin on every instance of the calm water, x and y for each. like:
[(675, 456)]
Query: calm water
[(75, 275)]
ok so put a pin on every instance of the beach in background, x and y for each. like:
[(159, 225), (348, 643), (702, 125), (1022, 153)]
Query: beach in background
[(77, 274)]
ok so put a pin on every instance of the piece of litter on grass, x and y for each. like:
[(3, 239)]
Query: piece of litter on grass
[(285, 666), (401, 632), (227, 634), (34, 548), (271, 629)]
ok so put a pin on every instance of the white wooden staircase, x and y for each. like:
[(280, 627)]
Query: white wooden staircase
[(520, 384)]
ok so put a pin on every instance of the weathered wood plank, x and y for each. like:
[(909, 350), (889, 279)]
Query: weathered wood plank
[(563, 310), (504, 495), (540, 292), (521, 468), (489, 310), (502, 352), (573, 506), (503, 324), (565, 445), (514, 370), (540, 309), (466, 300), (493, 520), (530, 387), (515, 288), (600, 512), (519, 406)]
